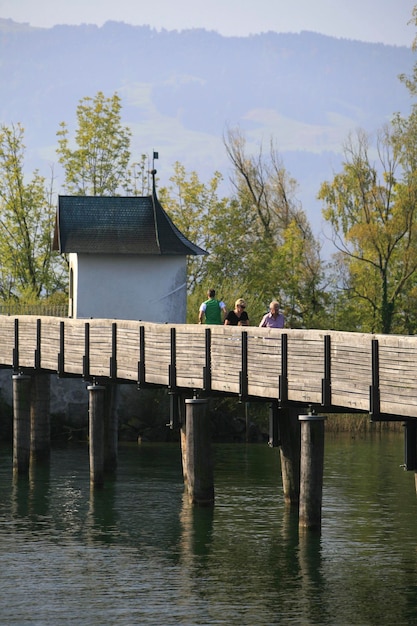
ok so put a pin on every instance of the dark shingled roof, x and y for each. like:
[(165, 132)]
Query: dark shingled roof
[(118, 225)]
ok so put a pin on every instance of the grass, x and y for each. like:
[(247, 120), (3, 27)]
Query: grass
[(359, 423)]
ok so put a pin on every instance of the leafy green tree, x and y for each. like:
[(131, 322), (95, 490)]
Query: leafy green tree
[(193, 207), (99, 164), (29, 269), (259, 242), (281, 257), (371, 207)]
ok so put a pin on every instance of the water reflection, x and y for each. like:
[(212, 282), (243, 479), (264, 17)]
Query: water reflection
[(20, 498), (102, 519), (313, 586), (39, 486), (196, 532), (137, 551)]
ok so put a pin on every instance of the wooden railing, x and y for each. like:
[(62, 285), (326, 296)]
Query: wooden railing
[(362, 372)]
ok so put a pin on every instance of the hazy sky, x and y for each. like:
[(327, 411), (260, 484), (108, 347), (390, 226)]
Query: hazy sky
[(383, 21)]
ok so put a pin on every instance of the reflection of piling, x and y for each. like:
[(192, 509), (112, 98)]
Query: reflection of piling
[(183, 441), (21, 424), (311, 470), (40, 431), (315, 607), (111, 428), (96, 404), (289, 441), (198, 468)]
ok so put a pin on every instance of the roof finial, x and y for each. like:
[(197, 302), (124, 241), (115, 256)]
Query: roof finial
[(153, 171)]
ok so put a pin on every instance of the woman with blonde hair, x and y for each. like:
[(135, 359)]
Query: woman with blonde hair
[(239, 316)]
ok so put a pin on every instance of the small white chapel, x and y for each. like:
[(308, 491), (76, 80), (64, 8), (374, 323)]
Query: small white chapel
[(127, 259)]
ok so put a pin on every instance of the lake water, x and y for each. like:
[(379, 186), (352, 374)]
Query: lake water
[(137, 553)]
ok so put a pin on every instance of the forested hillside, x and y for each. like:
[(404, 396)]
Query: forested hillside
[(250, 132), (181, 90)]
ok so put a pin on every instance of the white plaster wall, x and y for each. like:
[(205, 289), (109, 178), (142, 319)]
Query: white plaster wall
[(147, 288)]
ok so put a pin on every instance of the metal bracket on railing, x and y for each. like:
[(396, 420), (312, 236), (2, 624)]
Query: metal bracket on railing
[(113, 358), (243, 374), (274, 439), (172, 368), (141, 362), (326, 382), (16, 346), (61, 353), (174, 410), (38, 345), (86, 357), (374, 392), (283, 378), (207, 367)]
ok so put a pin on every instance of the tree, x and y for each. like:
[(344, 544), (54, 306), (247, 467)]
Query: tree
[(193, 207), (99, 164), (372, 211), (29, 268), (371, 206), (259, 242), (281, 255)]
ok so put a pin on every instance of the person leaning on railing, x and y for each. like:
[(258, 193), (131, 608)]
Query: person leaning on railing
[(237, 317), (212, 311), (273, 319)]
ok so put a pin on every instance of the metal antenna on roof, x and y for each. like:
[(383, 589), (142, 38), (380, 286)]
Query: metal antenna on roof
[(153, 171)]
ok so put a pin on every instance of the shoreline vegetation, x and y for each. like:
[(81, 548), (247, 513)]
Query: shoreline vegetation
[(354, 423)]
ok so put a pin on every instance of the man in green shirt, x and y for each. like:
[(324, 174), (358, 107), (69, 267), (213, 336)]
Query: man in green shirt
[(212, 311)]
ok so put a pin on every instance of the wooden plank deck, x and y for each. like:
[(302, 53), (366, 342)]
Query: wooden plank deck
[(250, 361)]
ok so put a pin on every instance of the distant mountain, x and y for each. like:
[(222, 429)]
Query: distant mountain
[(181, 90)]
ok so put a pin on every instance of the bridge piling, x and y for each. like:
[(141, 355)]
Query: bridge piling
[(198, 458), (96, 402), (21, 424), (311, 471)]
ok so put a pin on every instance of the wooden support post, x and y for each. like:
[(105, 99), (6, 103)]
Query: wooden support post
[(198, 458), (21, 424), (96, 433), (289, 441), (311, 471), (40, 430)]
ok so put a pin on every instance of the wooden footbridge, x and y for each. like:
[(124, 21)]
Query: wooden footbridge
[(327, 371)]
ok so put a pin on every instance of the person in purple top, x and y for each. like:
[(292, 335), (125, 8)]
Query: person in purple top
[(273, 319)]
